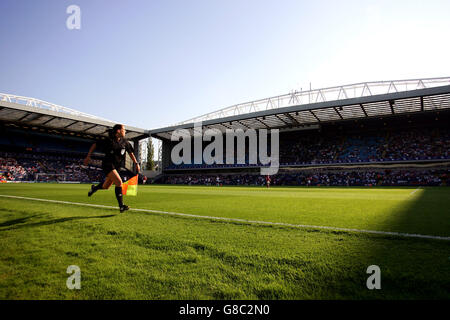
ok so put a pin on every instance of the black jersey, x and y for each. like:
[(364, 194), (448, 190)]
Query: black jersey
[(115, 151)]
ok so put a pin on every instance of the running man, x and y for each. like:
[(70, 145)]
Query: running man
[(115, 148)]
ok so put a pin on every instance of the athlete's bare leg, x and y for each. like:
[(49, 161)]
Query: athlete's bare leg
[(107, 183), (113, 177)]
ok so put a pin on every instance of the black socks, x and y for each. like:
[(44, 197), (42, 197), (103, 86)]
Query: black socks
[(95, 188), (117, 190), (99, 186), (119, 196)]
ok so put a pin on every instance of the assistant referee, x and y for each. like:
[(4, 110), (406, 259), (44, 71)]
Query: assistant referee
[(115, 148)]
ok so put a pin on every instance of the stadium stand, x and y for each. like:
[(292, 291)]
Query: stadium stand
[(46, 167), (31, 156), (385, 140), (45, 142), (380, 146), (324, 177), (421, 141), (400, 138)]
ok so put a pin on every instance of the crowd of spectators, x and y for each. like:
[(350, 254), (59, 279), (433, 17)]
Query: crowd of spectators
[(406, 145), (297, 148), (332, 147), (418, 145), (208, 180), (46, 168), (385, 177), (323, 177), (11, 170)]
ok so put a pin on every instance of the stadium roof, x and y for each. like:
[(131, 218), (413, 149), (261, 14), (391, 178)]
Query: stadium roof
[(314, 107), (37, 114)]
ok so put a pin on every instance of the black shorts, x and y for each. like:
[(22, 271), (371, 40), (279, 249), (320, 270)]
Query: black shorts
[(108, 167)]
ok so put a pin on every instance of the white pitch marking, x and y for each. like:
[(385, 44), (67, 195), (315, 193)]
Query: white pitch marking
[(411, 193), (398, 234)]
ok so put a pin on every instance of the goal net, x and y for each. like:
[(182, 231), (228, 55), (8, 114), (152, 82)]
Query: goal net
[(50, 177)]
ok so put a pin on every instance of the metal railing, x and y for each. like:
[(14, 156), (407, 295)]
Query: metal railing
[(356, 90), (41, 104)]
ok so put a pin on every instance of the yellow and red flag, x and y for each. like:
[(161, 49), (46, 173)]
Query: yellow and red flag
[(129, 188)]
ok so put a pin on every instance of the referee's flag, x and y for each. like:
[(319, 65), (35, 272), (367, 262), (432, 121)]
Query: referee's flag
[(129, 188)]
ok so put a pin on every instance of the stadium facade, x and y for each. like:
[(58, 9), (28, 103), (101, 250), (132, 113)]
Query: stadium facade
[(43, 141), (373, 133), (358, 125)]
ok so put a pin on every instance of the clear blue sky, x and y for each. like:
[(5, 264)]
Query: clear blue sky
[(154, 63)]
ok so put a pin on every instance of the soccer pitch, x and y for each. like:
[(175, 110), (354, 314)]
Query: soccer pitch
[(194, 242)]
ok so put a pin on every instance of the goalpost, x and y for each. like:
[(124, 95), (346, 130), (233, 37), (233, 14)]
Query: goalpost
[(50, 177)]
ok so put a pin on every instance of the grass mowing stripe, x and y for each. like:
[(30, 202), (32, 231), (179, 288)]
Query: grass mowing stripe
[(399, 234)]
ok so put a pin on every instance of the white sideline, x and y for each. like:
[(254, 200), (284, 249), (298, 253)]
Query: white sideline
[(398, 234)]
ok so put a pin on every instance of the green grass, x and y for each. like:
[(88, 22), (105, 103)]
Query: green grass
[(139, 255)]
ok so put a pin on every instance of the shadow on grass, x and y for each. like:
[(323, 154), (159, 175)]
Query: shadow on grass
[(427, 212), (413, 268), (18, 223)]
